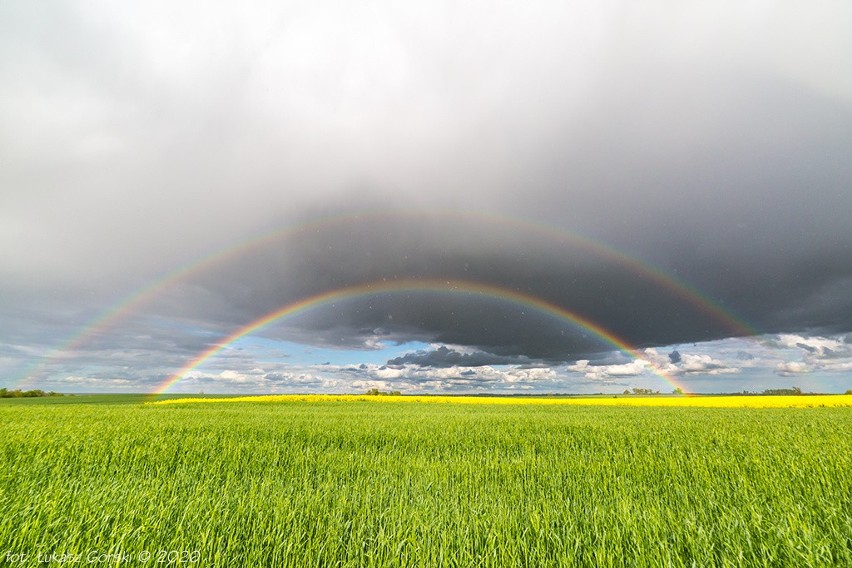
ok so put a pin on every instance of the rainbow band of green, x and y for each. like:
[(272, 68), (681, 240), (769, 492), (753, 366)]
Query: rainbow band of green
[(400, 286), (135, 300)]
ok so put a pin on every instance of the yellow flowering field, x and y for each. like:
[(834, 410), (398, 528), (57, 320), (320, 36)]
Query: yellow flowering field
[(805, 401)]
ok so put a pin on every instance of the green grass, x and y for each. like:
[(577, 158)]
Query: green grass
[(368, 484), (79, 399)]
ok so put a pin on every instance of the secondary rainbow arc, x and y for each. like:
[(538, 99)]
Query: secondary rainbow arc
[(400, 286)]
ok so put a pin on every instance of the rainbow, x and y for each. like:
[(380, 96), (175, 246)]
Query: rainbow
[(401, 286), (131, 303)]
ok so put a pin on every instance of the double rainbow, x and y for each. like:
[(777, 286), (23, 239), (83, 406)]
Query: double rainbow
[(131, 303)]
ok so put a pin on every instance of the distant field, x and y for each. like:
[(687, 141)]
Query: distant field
[(699, 401), (118, 482)]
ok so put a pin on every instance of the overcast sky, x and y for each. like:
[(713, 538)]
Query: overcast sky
[(677, 174)]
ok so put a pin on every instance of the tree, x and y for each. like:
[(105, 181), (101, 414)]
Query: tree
[(794, 391), (377, 392)]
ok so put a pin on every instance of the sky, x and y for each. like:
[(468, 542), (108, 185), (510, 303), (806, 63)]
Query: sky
[(540, 197)]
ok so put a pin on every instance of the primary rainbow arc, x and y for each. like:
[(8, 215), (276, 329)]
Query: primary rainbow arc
[(408, 285)]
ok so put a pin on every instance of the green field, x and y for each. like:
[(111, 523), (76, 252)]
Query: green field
[(109, 481)]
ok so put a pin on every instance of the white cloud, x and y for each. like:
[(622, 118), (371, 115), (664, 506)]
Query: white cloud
[(479, 374), (792, 368), (371, 384), (375, 344), (598, 372), (838, 365), (235, 377), (817, 353), (813, 345), (389, 373), (704, 364)]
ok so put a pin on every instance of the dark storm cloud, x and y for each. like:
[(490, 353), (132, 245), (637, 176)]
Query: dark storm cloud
[(609, 292), (709, 140), (445, 357)]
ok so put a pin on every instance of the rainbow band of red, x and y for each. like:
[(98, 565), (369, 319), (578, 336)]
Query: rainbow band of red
[(402, 286)]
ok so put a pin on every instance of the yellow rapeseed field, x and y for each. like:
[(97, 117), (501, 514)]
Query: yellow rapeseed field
[(805, 401)]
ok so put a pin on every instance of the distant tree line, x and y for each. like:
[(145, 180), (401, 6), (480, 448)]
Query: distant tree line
[(793, 391), (18, 393), (641, 391), (790, 391), (377, 392)]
